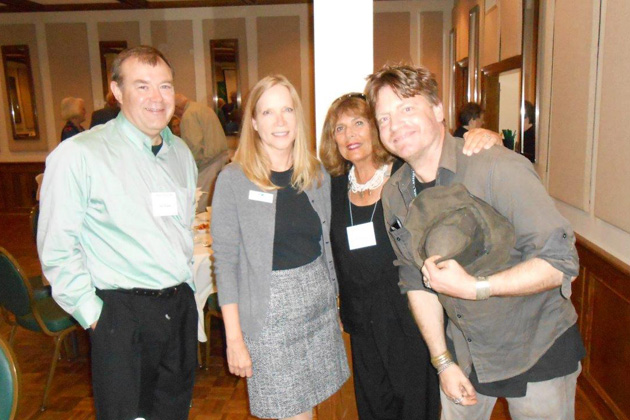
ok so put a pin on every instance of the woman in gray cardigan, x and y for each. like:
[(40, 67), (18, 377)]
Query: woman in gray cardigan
[(273, 261)]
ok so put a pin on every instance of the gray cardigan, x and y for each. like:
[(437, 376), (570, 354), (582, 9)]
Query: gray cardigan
[(242, 235)]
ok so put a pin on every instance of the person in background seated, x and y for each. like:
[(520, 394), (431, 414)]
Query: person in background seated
[(529, 132), (274, 265), (115, 241), (201, 130), (107, 113), (73, 112), (232, 115), (393, 378), (470, 116), (175, 126), (220, 113)]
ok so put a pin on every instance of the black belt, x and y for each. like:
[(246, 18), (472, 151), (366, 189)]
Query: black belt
[(168, 292)]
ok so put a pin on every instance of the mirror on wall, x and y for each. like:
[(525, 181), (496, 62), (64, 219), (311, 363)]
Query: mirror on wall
[(529, 105), (109, 50), (501, 99), (18, 77), (226, 87), (473, 55)]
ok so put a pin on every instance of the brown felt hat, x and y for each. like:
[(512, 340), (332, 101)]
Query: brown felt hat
[(450, 222)]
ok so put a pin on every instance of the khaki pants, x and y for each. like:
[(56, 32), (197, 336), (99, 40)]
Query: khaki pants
[(553, 399)]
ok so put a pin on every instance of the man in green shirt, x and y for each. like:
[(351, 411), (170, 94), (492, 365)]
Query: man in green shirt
[(115, 242)]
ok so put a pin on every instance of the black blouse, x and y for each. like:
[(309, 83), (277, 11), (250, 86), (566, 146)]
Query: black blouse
[(298, 231)]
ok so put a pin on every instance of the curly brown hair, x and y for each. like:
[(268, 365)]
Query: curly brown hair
[(356, 105)]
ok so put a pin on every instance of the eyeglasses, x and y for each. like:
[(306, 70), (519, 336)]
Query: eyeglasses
[(349, 96)]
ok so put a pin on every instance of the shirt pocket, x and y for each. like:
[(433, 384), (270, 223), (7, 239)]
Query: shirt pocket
[(402, 238)]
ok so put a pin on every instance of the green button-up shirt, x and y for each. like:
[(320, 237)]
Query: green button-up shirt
[(97, 227)]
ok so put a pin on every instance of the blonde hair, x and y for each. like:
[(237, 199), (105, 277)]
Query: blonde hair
[(70, 107), (251, 155), (351, 104)]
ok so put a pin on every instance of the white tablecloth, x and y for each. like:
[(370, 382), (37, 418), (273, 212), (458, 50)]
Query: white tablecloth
[(204, 283)]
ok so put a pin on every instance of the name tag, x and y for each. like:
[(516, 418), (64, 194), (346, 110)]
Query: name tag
[(361, 236), (164, 204), (260, 196)]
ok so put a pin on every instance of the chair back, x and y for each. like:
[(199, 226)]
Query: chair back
[(14, 293), (9, 382), (34, 218)]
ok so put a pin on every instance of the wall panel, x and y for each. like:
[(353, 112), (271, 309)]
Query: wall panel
[(18, 186), (279, 48), (23, 35), (69, 63), (174, 38), (120, 31), (601, 295), (572, 92), (388, 27), (612, 201), (511, 22), (489, 54), (431, 45)]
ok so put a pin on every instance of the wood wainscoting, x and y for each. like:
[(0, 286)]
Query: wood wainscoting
[(18, 187), (601, 295)]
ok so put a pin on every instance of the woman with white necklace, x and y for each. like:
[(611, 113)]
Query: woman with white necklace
[(393, 377)]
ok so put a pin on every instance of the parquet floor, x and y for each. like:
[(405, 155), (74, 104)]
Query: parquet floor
[(217, 394)]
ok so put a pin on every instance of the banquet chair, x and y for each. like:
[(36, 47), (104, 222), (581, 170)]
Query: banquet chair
[(37, 315), (212, 310), (37, 282), (9, 382)]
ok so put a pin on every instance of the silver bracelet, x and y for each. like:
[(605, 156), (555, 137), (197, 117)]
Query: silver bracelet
[(483, 288), (445, 366)]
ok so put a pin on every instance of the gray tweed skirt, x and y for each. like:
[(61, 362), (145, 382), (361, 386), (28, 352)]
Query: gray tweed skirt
[(299, 358)]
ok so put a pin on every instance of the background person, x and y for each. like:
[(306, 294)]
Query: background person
[(513, 329), (73, 112), (274, 268), (116, 244), (470, 116), (201, 130), (107, 113), (393, 378)]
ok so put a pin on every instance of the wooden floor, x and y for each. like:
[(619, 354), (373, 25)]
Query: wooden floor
[(217, 394)]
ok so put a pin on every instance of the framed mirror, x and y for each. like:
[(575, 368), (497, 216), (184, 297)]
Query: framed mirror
[(108, 51), (501, 99), (226, 86), (18, 77), (529, 104), (473, 55)]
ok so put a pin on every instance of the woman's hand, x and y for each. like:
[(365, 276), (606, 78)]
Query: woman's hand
[(239, 361), (477, 139)]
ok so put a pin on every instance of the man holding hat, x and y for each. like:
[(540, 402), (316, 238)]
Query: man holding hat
[(479, 238)]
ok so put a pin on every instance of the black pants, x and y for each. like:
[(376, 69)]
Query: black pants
[(393, 378), (144, 352)]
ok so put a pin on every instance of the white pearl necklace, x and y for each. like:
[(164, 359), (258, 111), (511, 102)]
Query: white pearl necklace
[(376, 181)]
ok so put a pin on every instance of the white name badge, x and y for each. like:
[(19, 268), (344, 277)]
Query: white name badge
[(361, 236), (260, 196), (164, 204)]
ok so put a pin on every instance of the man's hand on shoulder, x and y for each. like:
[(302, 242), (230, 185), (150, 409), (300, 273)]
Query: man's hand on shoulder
[(449, 278)]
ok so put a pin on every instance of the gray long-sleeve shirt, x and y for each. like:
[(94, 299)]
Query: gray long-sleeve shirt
[(502, 336)]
